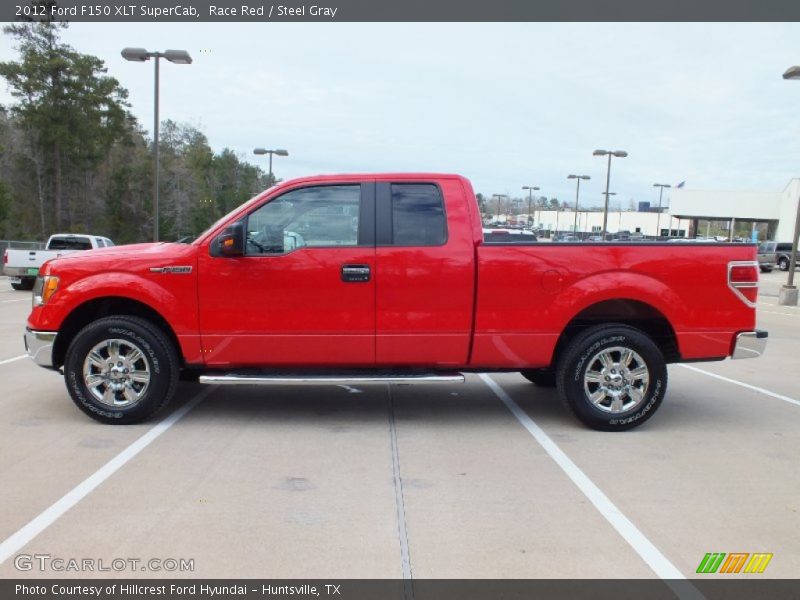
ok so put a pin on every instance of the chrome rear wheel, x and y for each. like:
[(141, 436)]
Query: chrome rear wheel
[(616, 379)]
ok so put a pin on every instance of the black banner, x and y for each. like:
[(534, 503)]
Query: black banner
[(455, 589), (401, 10)]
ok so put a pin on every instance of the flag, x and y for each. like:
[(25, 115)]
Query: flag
[(681, 184)]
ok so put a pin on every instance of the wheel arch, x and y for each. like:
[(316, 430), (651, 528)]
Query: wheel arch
[(623, 311), (108, 306)]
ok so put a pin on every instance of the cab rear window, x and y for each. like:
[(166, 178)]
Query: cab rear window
[(70, 243)]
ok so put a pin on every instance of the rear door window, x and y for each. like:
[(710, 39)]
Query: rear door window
[(418, 217)]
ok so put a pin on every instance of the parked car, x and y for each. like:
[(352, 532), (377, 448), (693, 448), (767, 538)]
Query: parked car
[(594, 238), (509, 236), (22, 266), (413, 294), (766, 256), (771, 254)]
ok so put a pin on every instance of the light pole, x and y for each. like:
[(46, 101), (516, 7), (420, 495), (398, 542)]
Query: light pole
[(577, 194), (179, 57), (262, 151), (609, 153), (499, 197), (531, 189), (660, 193), (788, 292)]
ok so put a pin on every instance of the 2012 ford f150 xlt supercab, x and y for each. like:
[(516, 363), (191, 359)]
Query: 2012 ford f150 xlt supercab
[(387, 278)]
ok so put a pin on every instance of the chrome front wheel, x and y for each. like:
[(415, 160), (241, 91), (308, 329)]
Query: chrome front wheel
[(121, 369), (117, 373)]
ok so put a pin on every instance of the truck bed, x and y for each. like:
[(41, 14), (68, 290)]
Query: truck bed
[(528, 294)]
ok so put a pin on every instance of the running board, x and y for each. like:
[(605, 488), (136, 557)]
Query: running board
[(311, 379)]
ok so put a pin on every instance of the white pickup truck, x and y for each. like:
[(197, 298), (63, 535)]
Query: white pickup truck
[(22, 266)]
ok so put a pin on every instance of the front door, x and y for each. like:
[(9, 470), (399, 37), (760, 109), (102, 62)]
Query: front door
[(304, 292)]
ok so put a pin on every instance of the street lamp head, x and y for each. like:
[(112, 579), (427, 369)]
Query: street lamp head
[(662, 185), (620, 153), (280, 152), (585, 177), (600, 152), (135, 54), (179, 57), (572, 176), (792, 73)]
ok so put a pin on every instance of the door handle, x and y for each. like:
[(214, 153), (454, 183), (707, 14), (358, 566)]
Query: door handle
[(356, 273)]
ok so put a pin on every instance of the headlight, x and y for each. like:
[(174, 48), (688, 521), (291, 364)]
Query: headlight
[(43, 289)]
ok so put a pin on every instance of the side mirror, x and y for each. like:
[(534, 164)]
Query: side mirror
[(230, 242)]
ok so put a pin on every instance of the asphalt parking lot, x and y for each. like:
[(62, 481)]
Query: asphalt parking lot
[(491, 479)]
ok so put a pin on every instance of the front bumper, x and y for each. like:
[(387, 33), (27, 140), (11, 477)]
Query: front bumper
[(750, 344), (39, 345)]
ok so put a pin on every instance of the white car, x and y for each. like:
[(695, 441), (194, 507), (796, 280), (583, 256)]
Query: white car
[(22, 266)]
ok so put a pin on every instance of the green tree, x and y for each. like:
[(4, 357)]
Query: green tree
[(71, 113)]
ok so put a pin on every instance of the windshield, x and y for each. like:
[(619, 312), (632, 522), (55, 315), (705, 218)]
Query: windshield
[(224, 218)]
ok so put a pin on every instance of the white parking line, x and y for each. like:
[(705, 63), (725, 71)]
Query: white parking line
[(10, 360), (651, 555), (50, 515), (771, 312), (19, 300), (744, 385)]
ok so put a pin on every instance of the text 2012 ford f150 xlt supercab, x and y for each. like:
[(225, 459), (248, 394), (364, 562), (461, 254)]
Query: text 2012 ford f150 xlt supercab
[(387, 278)]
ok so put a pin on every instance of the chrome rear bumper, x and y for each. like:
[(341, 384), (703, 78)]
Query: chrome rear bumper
[(750, 344), (39, 345)]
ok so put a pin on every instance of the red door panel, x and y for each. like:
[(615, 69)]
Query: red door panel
[(424, 292), (304, 293), (287, 310)]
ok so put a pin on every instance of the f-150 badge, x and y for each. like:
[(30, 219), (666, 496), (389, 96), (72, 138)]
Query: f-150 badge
[(171, 269)]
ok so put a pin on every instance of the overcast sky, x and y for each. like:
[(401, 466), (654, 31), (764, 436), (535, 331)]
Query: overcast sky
[(504, 104)]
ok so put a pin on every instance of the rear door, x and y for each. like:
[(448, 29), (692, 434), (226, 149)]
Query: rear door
[(424, 273), (304, 293)]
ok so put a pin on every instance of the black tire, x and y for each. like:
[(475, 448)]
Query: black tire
[(783, 263), (766, 269), (541, 377), (582, 355), (159, 359), (25, 285)]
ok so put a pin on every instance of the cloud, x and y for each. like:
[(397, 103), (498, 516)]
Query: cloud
[(506, 104)]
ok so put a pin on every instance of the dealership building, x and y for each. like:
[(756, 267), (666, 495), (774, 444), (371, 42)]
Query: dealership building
[(769, 215), (772, 213)]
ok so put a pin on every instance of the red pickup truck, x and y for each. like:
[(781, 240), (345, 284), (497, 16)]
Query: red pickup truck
[(387, 278)]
